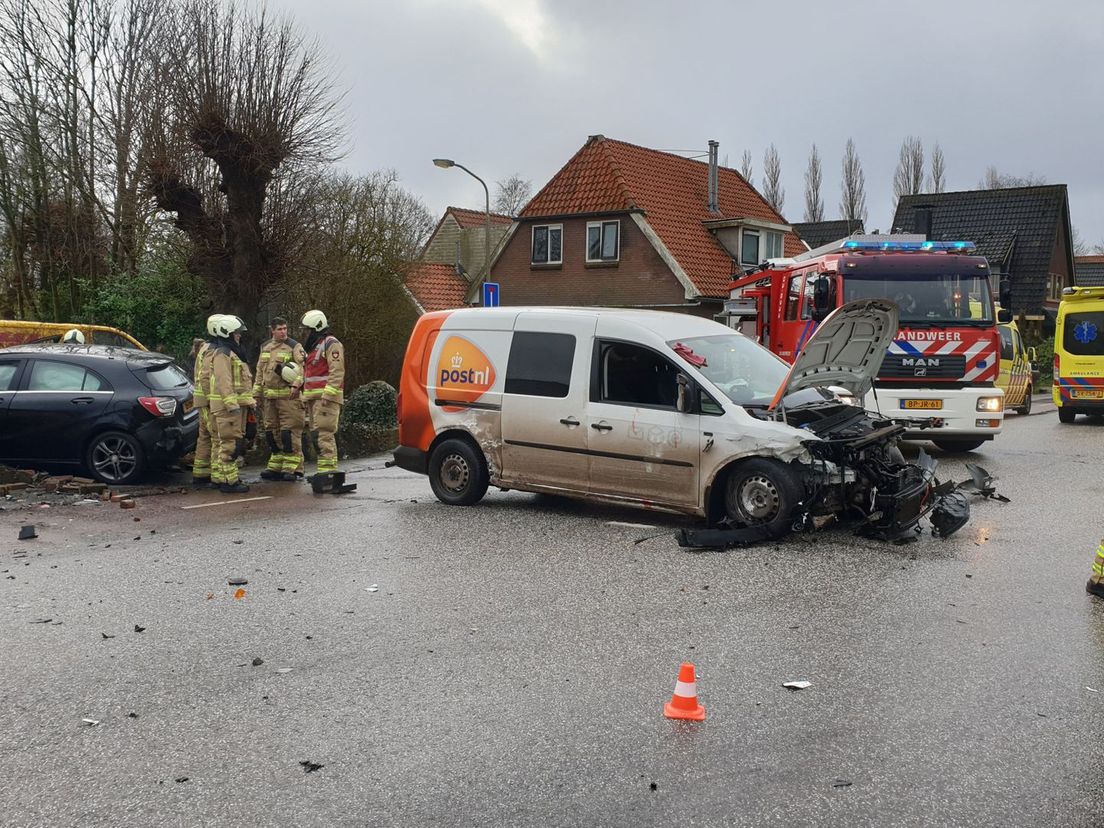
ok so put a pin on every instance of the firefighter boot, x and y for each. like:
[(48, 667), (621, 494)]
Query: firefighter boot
[(234, 488), (1096, 589), (275, 458)]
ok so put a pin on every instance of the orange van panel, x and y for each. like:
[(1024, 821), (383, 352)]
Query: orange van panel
[(416, 423)]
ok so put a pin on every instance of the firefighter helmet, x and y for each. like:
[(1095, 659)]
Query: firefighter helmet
[(290, 372), (227, 325), (211, 322), (315, 320), (73, 337)]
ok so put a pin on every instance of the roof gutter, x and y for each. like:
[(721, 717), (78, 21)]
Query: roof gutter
[(598, 214)]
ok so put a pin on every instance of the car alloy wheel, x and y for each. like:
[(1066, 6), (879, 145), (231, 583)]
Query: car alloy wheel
[(115, 458)]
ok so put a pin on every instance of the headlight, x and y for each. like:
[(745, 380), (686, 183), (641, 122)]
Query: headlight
[(990, 404)]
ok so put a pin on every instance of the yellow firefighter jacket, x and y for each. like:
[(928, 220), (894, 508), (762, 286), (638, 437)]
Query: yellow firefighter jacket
[(274, 355)]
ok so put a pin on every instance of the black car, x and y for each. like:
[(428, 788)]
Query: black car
[(112, 411)]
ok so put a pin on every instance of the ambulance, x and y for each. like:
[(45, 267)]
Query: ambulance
[(1079, 353), (659, 410), (942, 366)]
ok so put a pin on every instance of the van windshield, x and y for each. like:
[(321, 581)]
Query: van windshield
[(935, 299), (1083, 334), (746, 372)]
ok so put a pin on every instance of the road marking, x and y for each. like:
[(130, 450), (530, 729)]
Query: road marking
[(629, 525), (226, 502)]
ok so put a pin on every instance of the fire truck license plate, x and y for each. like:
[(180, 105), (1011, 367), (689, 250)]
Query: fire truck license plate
[(931, 405), (1089, 394)]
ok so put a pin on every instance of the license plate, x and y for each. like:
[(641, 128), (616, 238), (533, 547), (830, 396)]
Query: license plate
[(1089, 393), (188, 405), (930, 405)]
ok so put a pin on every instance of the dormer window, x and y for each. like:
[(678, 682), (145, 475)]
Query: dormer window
[(547, 244), (759, 245), (603, 241)]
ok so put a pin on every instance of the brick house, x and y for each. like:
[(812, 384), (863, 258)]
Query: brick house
[(1024, 232), (626, 226), (444, 276)]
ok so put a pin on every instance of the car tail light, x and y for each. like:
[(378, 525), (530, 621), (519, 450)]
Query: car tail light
[(159, 406), (1057, 364)]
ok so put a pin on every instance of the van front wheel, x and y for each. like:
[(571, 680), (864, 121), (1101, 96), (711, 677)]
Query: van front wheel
[(763, 492), (458, 473)]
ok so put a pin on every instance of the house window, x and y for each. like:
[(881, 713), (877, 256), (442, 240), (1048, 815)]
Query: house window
[(774, 246), (749, 248), (1054, 287), (603, 241), (547, 244), (540, 364)]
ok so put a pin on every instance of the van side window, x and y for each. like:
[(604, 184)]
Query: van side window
[(631, 375), (540, 364)]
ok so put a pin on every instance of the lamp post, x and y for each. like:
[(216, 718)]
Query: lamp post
[(444, 164)]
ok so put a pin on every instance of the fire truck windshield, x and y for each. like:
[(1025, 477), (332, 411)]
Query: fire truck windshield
[(745, 371), (930, 299)]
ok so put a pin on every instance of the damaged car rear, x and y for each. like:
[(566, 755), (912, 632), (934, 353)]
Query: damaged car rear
[(829, 460)]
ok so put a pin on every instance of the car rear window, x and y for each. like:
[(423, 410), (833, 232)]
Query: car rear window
[(165, 377), (1084, 334)]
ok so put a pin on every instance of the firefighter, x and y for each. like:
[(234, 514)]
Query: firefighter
[(228, 395), (1095, 586), (201, 372), (323, 387), (277, 389), (73, 337)]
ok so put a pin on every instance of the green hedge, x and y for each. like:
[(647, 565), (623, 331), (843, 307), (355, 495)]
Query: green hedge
[(370, 405)]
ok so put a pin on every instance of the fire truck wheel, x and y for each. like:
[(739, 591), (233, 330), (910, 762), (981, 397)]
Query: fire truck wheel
[(1025, 409), (763, 492), (958, 446), (458, 472)]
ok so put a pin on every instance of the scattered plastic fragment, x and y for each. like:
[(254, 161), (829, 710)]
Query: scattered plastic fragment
[(27, 533), (797, 685), (372, 588), (239, 593), (257, 662), (139, 629), (132, 715), (1091, 689), (90, 722), (842, 783), (106, 636), (237, 581), (311, 767), (283, 670), (182, 778)]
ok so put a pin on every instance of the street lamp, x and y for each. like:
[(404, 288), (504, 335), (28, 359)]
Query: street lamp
[(444, 164)]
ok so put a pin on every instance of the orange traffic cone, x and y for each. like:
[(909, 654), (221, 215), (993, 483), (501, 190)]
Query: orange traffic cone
[(684, 702)]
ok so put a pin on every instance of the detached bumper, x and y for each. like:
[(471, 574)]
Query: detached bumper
[(957, 411), (411, 459)]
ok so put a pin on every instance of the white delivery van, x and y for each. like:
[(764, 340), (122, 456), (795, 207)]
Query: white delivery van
[(660, 410)]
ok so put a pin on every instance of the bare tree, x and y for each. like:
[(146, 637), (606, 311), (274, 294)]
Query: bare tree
[(937, 178), (908, 178), (746, 169), (852, 186), (249, 100), (814, 204), (996, 180), (1080, 246), (773, 191), (511, 195)]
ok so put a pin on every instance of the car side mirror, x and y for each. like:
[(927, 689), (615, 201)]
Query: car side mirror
[(686, 402), (1004, 293), (1032, 355), (1004, 316), (823, 300)]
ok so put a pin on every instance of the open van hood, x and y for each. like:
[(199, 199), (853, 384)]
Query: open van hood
[(846, 349)]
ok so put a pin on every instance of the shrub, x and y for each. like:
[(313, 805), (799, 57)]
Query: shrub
[(371, 405), (1044, 349)]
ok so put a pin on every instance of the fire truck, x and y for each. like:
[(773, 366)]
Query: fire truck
[(940, 371)]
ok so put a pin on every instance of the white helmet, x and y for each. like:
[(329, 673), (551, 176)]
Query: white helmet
[(227, 325), (290, 372), (211, 321), (315, 320), (73, 337)]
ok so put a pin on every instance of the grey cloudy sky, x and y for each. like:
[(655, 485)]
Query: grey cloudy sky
[(507, 86)]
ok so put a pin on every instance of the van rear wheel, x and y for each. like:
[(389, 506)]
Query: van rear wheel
[(458, 472), (763, 492), (1066, 416)]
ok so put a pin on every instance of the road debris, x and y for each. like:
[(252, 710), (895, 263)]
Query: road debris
[(239, 593), (132, 715), (372, 588), (842, 783), (797, 685), (257, 662), (27, 533), (283, 670), (139, 629), (127, 504), (90, 722), (106, 636), (237, 581), (182, 779), (311, 767)]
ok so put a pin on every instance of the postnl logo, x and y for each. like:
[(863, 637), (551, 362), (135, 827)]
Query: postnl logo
[(464, 373)]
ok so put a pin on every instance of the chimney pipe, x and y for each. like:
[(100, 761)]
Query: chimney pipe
[(714, 195)]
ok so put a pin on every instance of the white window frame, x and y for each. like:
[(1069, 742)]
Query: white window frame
[(766, 235), (533, 238), (601, 228), (758, 246)]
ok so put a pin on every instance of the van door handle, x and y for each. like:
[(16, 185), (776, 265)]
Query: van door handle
[(602, 426), (81, 400), (569, 421)]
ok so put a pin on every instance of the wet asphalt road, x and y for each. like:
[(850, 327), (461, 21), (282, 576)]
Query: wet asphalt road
[(512, 666)]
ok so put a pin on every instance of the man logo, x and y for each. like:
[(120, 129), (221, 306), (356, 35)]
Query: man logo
[(920, 362), (919, 372), (464, 373)]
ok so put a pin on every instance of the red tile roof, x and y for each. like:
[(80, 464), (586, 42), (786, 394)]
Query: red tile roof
[(475, 218), (436, 286), (607, 176), (1093, 259)]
